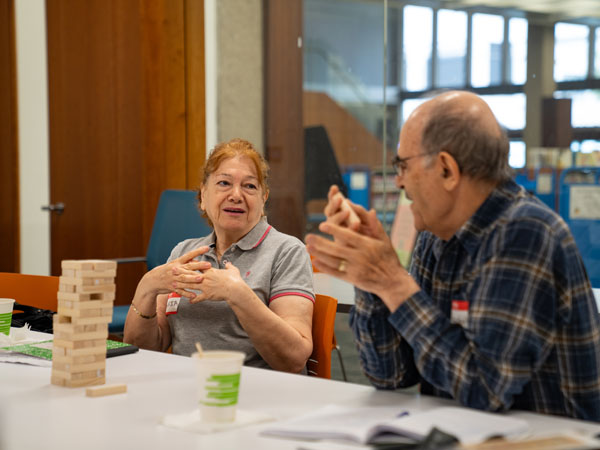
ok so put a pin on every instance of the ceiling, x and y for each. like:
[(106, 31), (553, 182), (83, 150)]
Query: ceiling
[(543, 9)]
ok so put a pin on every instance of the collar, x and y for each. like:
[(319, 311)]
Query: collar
[(251, 240), (499, 200)]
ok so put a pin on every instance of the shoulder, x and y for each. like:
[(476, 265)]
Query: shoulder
[(189, 245)]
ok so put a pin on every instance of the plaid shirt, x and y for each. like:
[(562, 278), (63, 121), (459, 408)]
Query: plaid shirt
[(532, 337)]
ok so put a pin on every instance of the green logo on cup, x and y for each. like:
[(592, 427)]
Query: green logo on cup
[(222, 390)]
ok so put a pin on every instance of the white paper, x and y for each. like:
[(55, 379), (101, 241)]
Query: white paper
[(584, 202)]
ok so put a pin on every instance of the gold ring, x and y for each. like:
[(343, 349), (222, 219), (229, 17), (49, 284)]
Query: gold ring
[(342, 265)]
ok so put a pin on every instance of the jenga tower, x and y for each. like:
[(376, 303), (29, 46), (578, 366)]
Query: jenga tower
[(86, 295)]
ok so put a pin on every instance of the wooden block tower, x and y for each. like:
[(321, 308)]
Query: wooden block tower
[(86, 295)]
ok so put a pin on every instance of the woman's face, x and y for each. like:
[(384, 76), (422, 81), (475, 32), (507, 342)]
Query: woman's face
[(233, 198)]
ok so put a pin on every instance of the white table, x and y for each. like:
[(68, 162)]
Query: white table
[(36, 414), (334, 287)]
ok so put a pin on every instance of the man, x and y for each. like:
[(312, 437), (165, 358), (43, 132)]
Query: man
[(497, 311)]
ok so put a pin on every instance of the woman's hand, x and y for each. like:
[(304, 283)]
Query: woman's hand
[(180, 275), (221, 284)]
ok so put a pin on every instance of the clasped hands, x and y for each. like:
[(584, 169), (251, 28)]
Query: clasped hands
[(185, 275)]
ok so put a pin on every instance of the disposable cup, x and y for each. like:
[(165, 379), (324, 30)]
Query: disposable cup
[(218, 384), (6, 309)]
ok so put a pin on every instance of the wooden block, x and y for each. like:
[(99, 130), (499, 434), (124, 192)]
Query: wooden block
[(74, 296), (79, 345), (77, 264), (88, 304), (88, 264), (85, 382), (97, 289), (86, 296), (66, 288), (65, 382), (77, 360), (73, 273), (69, 367), (95, 281), (67, 336), (100, 350), (109, 389), (76, 327), (87, 316)]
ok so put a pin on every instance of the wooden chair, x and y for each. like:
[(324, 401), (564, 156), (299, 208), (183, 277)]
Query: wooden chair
[(319, 363), (33, 290)]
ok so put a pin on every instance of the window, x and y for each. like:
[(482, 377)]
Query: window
[(516, 154), (585, 107), (571, 45), (488, 33), (451, 48), (418, 38), (509, 109), (517, 38)]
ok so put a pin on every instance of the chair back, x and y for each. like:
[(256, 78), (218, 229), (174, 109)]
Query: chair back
[(177, 218), (319, 363), (33, 290)]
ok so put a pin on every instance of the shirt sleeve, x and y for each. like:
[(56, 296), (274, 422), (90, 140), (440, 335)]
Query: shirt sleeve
[(512, 321), (386, 358), (292, 273)]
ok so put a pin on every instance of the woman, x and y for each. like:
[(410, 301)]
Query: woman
[(245, 286)]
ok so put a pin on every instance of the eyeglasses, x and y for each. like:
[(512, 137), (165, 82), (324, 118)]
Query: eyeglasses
[(399, 164)]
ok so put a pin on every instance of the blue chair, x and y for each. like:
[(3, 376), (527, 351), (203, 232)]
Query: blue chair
[(177, 218)]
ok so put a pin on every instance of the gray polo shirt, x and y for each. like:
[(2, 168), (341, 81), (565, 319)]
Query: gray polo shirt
[(273, 264)]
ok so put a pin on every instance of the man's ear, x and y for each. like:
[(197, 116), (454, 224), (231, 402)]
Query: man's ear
[(449, 170)]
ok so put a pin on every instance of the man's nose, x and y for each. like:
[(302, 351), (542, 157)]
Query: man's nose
[(399, 180)]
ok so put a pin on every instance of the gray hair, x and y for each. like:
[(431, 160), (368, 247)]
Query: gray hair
[(478, 153)]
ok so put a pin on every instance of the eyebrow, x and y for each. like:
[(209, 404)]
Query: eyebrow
[(225, 174)]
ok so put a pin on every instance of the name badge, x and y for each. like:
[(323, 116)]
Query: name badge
[(460, 313), (173, 303)]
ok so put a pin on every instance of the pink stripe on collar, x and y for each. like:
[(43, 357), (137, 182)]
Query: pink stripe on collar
[(263, 236)]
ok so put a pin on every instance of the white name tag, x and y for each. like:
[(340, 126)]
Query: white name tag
[(173, 303), (460, 313)]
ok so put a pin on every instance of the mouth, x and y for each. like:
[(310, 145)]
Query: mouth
[(234, 211)]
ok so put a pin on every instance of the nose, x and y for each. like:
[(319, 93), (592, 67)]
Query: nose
[(235, 194), (399, 180)]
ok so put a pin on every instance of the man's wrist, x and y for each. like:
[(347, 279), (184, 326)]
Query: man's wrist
[(399, 292)]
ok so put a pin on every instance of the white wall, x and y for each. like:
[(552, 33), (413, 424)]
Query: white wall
[(32, 106)]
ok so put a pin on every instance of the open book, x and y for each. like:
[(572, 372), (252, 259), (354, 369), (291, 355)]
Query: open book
[(384, 424)]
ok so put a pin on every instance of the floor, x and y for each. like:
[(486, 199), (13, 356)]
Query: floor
[(345, 340)]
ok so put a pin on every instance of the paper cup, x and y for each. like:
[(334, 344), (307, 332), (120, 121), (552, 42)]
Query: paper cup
[(218, 384), (6, 309)]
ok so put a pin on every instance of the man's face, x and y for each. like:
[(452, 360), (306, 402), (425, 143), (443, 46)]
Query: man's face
[(421, 180)]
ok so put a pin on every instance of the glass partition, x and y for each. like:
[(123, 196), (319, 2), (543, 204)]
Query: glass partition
[(369, 63)]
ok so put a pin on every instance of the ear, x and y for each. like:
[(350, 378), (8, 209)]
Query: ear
[(202, 207), (448, 170)]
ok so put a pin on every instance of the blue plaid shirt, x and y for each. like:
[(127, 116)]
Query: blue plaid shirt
[(532, 337)]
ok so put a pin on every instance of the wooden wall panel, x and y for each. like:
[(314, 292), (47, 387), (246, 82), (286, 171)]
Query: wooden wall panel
[(118, 123), (9, 179), (163, 101), (195, 91), (352, 142), (284, 135)]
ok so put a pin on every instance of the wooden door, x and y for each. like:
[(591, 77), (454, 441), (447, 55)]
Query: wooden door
[(118, 124), (9, 204)]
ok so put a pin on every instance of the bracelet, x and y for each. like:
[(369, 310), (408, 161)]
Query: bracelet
[(143, 316)]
